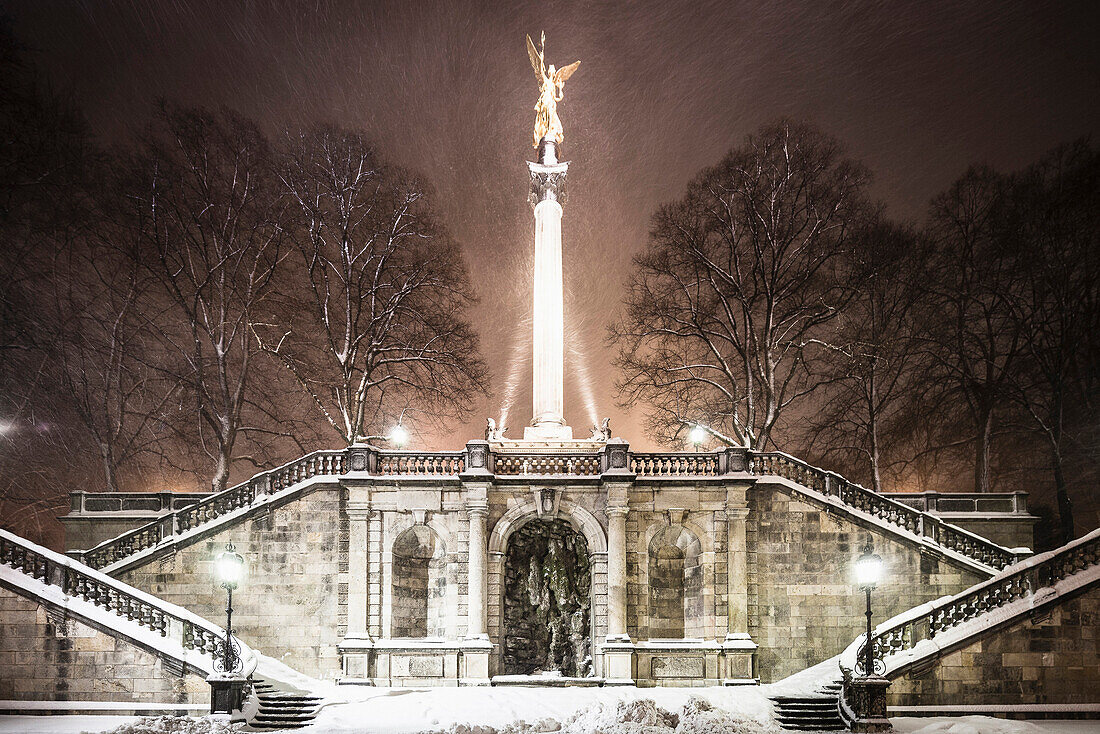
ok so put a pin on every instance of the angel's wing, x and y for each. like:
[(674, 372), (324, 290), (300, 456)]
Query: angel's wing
[(565, 72), (536, 59)]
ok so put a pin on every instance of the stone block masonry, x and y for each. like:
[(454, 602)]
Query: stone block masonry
[(1053, 659), (288, 604), (44, 657), (805, 607)]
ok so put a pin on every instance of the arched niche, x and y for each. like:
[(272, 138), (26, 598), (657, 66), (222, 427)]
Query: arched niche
[(418, 594), (676, 609)]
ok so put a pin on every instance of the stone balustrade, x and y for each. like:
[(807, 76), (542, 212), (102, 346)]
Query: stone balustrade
[(1042, 572), (190, 631), (575, 462)]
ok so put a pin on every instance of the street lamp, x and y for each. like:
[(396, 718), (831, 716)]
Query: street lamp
[(868, 572), (697, 435), (399, 436), (230, 568)]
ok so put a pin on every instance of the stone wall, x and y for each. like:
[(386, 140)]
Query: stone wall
[(291, 604), (46, 658), (803, 604), (1053, 659)]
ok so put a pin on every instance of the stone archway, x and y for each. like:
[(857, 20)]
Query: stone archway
[(584, 526), (547, 601)]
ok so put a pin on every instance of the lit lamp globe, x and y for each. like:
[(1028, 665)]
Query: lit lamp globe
[(399, 436), (229, 566), (868, 570), (697, 435)]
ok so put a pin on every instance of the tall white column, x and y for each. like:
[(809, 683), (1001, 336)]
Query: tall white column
[(547, 196), (549, 316)]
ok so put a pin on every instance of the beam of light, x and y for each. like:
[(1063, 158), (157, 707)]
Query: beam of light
[(519, 364), (578, 370), (7, 427)]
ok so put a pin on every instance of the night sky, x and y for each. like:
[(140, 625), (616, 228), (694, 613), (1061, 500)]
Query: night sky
[(917, 91)]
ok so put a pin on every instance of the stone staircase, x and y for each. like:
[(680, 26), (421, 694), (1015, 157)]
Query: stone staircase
[(815, 712), (279, 708)]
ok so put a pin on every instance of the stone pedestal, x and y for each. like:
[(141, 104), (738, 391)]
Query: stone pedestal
[(355, 661), (473, 665), (618, 662), (227, 693), (738, 654), (863, 704)]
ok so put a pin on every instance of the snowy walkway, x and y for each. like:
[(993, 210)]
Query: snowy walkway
[(932, 725)]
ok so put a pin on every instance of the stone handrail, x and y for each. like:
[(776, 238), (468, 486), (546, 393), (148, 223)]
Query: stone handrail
[(1026, 579), (508, 464), (164, 620), (971, 503), (478, 457), (437, 463), (696, 464), (213, 507), (889, 510)]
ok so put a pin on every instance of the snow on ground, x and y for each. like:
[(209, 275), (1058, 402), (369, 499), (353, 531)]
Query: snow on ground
[(367, 724), (407, 711)]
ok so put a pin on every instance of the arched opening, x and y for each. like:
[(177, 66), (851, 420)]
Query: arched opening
[(675, 585), (666, 593), (419, 589), (547, 600)]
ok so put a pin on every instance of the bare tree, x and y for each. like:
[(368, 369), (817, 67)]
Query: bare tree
[(1052, 217), (970, 335), (871, 360), (101, 349), (382, 326), (739, 278), (208, 212)]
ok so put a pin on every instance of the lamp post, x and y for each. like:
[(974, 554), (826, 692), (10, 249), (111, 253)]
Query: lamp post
[(226, 683), (230, 568), (868, 572)]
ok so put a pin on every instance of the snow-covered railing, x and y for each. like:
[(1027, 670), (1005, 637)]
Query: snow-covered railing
[(437, 463), (220, 503), (696, 464), (888, 510), (509, 464), (170, 629), (895, 639)]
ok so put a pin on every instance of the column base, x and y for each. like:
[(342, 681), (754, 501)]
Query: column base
[(618, 661), (739, 660), (355, 661), (473, 665)]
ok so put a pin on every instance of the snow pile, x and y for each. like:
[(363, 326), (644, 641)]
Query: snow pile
[(178, 725), (974, 725), (633, 716)]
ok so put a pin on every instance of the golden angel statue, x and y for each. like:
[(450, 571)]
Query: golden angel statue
[(551, 90)]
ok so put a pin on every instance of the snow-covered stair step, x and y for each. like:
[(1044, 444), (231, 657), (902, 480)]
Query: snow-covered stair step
[(280, 708)]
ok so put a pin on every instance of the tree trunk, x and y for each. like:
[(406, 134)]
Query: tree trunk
[(108, 467), (221, 471), (983, 449)]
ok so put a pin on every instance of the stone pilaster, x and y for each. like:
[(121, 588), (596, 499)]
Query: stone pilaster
[(358, 572), (618, 651), (477, 648), (738, 649), (477, 510)]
